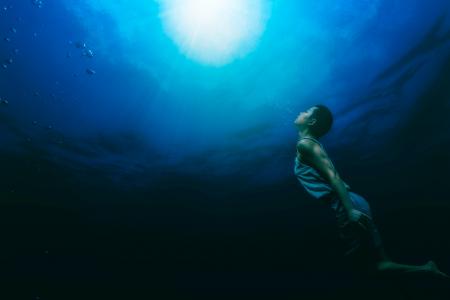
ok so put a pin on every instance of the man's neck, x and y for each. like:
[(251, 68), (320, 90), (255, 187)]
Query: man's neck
[(305, 134)]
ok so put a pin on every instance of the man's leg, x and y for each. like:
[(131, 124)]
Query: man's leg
[(366, 248), (368, 253), (392, 268)]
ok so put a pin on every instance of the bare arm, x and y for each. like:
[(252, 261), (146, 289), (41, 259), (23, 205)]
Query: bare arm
[(314, 156)]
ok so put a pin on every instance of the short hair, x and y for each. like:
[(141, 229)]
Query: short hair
[(324, 120)]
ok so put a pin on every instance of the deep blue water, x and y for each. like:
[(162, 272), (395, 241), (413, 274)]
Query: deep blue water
[(127, 165)]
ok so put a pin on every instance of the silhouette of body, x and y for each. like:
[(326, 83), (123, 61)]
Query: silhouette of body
[(315, 171)]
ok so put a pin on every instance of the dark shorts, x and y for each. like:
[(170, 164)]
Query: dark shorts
[(355, 241)]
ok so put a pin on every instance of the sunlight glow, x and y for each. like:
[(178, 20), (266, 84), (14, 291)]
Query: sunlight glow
[(214, 31)]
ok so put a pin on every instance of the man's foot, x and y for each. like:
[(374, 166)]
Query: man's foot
[(431, 265)]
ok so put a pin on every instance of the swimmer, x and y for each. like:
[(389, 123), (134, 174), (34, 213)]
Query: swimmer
[(357, 231)]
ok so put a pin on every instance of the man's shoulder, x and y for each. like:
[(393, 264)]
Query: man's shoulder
[(308, 145)]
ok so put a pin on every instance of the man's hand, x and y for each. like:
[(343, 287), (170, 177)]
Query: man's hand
[(358, 219)]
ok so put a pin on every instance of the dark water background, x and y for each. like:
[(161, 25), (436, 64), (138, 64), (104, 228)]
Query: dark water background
[(160, 177)]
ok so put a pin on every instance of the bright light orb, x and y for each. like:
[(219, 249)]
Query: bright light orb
[(214, 31)]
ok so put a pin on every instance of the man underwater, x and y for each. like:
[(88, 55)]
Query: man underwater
[(357, 231)]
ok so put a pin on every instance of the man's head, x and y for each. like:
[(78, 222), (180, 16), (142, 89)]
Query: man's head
[(318, 120)]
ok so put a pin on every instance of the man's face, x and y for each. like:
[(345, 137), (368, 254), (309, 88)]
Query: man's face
[(305, 116)]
